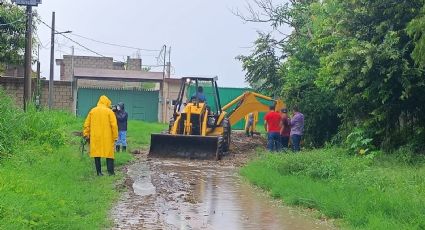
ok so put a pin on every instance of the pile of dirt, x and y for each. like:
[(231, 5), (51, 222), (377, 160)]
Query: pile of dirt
[(241, 144), (242, 149)]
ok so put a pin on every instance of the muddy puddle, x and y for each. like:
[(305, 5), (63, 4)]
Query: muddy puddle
[(177, 194)]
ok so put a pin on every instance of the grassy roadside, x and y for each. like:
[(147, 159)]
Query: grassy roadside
[(45, 181), (382, 192)]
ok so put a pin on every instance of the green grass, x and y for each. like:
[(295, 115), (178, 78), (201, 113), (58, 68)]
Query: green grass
[(381, 192), (138, 133), (45, 181)]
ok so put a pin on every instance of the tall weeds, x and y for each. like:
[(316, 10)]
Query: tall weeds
[(19, 128)]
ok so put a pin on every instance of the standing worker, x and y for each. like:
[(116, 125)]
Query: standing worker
[(250, 122), (272, 122), (122, 117), (100, 129), (297, 129), (285, 129)]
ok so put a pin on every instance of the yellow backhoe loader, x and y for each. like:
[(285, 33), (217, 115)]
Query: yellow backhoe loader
[(201, 129)]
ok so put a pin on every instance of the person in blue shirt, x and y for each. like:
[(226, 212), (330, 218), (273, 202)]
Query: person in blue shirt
[(200, 94)]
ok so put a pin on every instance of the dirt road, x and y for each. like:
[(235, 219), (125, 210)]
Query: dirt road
[(182, 194)]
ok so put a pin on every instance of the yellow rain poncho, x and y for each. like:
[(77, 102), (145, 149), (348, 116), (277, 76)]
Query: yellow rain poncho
[(101, 127)]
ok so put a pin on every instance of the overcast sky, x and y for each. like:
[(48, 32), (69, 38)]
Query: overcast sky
[(204, 36)]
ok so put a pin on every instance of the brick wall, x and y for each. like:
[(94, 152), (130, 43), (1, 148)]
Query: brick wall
[(14, 70), (95, 63), (82, 62), (134, 64), (62, 92)]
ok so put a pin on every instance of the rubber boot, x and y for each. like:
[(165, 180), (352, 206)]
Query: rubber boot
[(110, 166), (98, 166), (117, 148), (124, 148)]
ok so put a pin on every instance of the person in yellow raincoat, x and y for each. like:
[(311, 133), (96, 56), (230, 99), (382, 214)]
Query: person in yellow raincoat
[(101, 129)]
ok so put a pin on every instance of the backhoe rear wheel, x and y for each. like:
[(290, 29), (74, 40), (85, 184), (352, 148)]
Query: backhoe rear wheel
[(220, 147), (227, 131)]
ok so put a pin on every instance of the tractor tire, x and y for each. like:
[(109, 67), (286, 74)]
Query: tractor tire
[(220, 148), (170, 125), (227, 131)]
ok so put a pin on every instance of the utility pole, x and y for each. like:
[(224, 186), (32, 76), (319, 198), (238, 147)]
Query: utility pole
[(74, 85), (28, 49), (37, 88), (163, 102), (52, 57), (52, 60)]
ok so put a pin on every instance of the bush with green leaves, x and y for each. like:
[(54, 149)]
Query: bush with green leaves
[(358, 143)]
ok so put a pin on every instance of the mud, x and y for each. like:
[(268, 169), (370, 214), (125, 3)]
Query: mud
[(181, 194)]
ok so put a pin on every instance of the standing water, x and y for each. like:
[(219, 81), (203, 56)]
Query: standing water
[(173, 194)]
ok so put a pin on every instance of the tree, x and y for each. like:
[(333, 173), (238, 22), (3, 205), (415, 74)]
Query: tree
[(355, 64), (12, 34), (416, 29), (261, 66), (294, 72), (368, 64)]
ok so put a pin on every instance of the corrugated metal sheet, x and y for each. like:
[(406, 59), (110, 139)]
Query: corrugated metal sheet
[(139, 104)]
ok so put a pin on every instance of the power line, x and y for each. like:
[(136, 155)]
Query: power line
[(83, 46), (40, 42), (113, 44), (107, 53)]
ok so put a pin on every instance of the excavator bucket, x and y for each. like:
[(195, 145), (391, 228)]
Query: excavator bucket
[(184, 146)]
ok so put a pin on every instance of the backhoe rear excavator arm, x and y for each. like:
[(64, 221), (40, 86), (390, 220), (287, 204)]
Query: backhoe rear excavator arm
[(248, 103)]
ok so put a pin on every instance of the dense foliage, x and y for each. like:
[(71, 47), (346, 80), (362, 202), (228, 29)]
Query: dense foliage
[(350, 65), (12, 34)]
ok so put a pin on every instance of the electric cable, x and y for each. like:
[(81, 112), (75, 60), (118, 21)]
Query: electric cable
[(81, 45), (113, 44)]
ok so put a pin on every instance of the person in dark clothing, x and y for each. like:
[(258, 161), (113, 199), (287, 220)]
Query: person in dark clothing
[(122, 117), (285, 129), (200, 94)]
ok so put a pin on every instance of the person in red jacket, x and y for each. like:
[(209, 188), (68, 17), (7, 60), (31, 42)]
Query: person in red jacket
[(272, 122)]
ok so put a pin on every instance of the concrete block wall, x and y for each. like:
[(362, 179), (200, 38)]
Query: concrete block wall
[(83, 62), (62, 96), (134, 64)]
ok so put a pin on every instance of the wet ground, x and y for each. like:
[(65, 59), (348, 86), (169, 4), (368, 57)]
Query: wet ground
[(182, 194)]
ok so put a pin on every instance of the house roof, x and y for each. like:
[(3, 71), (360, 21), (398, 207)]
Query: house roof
[(117, 75)]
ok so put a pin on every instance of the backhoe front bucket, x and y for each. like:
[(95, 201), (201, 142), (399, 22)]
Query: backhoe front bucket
[(184, 146)]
